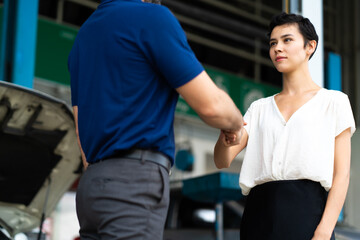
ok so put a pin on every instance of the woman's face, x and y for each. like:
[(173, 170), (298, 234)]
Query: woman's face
[(287, 50)]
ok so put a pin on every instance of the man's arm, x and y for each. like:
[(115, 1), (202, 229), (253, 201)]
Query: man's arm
[(211, 103), (83, 157)]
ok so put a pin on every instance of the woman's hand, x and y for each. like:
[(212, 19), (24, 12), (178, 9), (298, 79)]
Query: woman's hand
[(338, 190), (321, 235), (229, 144), (230, 137)]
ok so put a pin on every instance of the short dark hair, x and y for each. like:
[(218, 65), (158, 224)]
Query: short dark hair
[(306, 28), (153, 1)]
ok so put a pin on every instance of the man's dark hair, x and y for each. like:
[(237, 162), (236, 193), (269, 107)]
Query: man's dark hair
[(306, 28), (153, 1)]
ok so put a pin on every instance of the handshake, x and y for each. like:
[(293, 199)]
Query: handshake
[(231, 137)]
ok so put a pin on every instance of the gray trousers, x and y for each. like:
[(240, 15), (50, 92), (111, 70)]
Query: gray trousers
[(123, 199)]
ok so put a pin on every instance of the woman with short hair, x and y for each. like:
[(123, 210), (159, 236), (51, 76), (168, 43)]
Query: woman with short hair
[(296, 167)]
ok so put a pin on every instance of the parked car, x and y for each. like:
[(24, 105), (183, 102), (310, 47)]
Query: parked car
[(39, 157)]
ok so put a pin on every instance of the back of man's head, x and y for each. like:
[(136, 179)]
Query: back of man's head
[(153, 1)]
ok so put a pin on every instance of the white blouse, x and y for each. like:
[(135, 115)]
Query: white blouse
[(302, 147)]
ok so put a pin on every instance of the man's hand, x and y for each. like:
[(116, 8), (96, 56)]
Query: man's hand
[(231, 137), (229, 144)]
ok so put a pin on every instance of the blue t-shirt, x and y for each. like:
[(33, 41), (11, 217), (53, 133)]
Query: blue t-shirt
[(125, 64)]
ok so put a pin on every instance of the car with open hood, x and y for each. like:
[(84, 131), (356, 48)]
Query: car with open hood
[(39, 156)]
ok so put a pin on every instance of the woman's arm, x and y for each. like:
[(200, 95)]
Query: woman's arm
[(228, 146), (337, 193)]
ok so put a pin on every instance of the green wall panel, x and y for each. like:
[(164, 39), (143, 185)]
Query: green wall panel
[(54, 42)]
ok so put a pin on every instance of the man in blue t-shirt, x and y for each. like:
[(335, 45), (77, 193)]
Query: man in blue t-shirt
[(129, 63)]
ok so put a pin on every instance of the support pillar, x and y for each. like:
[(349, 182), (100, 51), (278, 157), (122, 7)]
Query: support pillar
[(18, 43)]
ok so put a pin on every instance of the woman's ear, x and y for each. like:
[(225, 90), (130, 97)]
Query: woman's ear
[(311, 46)]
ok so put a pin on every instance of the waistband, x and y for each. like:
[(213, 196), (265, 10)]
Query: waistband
[(285, 188), (142, 155)]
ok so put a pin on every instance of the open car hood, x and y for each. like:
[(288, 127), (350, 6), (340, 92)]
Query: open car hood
[(39, 156)]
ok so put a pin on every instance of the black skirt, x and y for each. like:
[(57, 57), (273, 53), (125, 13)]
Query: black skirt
[(283, 210)]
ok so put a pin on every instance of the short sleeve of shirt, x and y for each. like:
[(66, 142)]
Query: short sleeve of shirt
[(344, 115), (73, 81), (247, 118), (166, 46)]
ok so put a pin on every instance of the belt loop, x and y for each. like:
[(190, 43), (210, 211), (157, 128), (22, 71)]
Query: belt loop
[(143, 156)]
